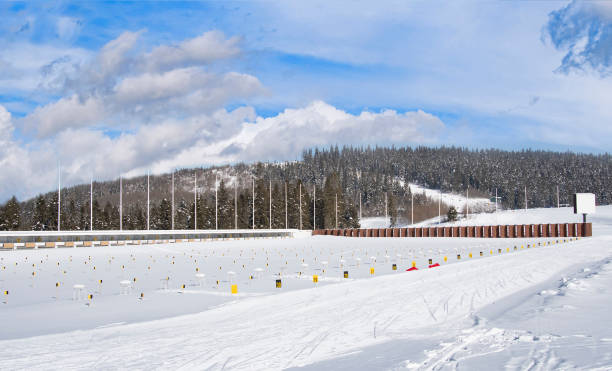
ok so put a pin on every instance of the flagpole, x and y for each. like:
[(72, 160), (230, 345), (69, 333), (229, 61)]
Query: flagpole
[(148, 200), (59, 195), (120, 203), (195, 200), (91, 204)]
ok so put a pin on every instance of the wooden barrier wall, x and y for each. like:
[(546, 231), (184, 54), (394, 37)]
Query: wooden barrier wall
[(488, 231)]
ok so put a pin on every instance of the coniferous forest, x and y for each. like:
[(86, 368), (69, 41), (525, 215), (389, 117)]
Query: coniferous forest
[(324, 178)]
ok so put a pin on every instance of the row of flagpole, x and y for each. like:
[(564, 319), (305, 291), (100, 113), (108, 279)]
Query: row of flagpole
[(195, 198)]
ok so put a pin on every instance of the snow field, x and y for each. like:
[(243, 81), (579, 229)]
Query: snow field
[(299, 327), (181, 278), (529, 308)]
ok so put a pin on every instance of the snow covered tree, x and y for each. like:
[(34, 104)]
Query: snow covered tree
[(451, 215), (10, 215)]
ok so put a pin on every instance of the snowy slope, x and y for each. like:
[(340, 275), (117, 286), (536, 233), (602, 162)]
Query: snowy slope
[(457, 200), (465, 314)]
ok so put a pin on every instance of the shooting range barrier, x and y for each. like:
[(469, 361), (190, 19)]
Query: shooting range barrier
[(488, 231), (54, 239)]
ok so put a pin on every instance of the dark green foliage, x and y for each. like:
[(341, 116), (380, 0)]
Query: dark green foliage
[(451, 215), (10, 215)]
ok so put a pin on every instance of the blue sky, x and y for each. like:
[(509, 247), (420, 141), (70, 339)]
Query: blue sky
[(110, 88)]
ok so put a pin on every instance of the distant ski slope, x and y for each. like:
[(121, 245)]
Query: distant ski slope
[(452, 199)]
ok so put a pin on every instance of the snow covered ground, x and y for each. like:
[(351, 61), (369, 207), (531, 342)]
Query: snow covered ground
[(375, 222), (453, 199), (541, 306)]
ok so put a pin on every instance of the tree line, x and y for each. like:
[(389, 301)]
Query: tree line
[(358, 175), (230, 208)]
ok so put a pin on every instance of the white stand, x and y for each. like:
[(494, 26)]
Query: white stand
[(77, 292), (125, 287)]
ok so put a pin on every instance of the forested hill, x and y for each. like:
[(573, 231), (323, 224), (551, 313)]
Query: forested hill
[(347, 173), (454, 169)]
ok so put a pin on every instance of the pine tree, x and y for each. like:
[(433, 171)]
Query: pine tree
[(278, 207), (51, 213), (40, 214), (245, 210), (99, 219), (451, 216), (262, 198), (330, 197), (206, 213), (162, 215), (10, 215), (225, 207)]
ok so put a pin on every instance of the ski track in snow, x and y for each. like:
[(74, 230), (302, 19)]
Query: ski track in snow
[(299, 327), (529, 350)]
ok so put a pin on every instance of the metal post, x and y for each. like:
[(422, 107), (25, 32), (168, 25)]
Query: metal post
[(495, 199), (525, 198), (411, 207), (336, 211), (440, 207), (467, 202), (300, 205), (359, 206), (148, 201), (91, 204), (195, 200), (270, 204), (558, 197), (120, 203), (386, 210), (216, 206), (286, 219), (236, 204), (314, 206), (59, 196), (172, 216), (253, 203)]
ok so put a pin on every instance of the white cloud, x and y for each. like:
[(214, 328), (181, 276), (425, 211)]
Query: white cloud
[(320, 125), (67, 28), (122, 88), (204, 139), (582, 29), (33, 66), (69, 112), (110, 64), (6, 126), (186, 89), (204, 49), (22, 168), (161, 85)]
